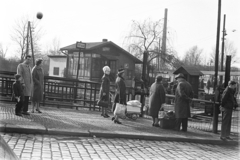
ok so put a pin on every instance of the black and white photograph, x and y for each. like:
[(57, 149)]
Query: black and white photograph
[(119, 80)]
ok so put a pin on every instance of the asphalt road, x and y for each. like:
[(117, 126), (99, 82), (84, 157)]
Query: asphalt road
[(46, 147)]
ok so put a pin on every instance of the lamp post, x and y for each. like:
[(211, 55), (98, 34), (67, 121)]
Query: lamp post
[(223, 38)]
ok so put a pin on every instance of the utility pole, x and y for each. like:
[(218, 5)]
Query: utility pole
[(215, 111), (164, 38), (223, 38)]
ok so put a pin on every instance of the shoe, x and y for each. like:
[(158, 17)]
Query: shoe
[(38, 111), (184, 130), (229, 138), (25, 113), (116, 121), (223, 138), (106, 116), (113, 118), (19, 114), (156, 125)]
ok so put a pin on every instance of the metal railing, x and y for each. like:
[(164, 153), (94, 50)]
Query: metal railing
[(63, 92)]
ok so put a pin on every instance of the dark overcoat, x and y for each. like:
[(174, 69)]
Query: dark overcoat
[(156, 98), (120, 96), (38, 84), (105, 87), (183, 96), (18, 90), (228, 98)]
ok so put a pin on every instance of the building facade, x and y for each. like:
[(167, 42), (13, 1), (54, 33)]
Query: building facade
[(57, 65), (97, 55)]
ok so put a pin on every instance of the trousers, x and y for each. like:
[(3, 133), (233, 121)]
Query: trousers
[(183, 122), (25, 104), (226, 122)]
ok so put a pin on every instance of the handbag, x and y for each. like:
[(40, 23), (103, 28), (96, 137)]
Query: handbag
[(120, 110), (102, 103)]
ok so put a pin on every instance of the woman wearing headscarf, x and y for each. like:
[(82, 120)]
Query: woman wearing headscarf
[(104, 89), (120, 96), (156, 99), (38, 84)]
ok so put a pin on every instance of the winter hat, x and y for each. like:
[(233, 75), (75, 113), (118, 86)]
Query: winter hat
[(106, 68)]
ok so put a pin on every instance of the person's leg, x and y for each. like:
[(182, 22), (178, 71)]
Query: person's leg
[(25, 104), (18, 107), (156, 122), (229, 121), (178, 124), (224, 124), (33, 106), (153, 119), (38, 104), (184, 124)]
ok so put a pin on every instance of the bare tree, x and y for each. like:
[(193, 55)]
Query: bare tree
[(19, 36), (54, 47), (193, 56), (146, 37), (229, 49), (3, 51)]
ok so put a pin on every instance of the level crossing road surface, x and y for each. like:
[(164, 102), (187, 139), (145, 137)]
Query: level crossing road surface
[(53, 147)]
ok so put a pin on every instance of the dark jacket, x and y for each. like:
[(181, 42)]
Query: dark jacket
[(105, 87), (228, 98), (38, 84), (156, 98), (18, 90), (120, 91), (183, 96)]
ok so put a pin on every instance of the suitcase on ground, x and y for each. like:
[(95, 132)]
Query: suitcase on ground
[(167, 123)]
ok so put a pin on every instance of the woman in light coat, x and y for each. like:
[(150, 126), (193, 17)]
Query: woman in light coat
[(38, 84), (156, 99), (104, 89)]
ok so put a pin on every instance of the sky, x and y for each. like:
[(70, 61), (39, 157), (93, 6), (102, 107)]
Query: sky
[(190, 22)]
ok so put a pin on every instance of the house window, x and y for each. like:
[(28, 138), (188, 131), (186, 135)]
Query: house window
[(56, 71)]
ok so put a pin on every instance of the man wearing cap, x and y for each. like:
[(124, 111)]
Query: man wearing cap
[(183, 97), (227, 107)]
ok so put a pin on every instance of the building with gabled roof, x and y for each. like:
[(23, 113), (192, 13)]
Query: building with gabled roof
[(96, 55)]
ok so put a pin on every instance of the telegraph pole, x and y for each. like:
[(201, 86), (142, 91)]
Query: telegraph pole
[(223, 38), (215, 111)]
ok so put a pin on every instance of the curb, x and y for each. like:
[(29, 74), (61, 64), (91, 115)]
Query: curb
[(103, 134)]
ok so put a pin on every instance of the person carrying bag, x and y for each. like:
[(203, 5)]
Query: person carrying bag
[(120, 96)]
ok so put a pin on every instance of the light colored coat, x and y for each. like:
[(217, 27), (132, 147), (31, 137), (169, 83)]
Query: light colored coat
[(156, 98), (183, 96), (25, 71)]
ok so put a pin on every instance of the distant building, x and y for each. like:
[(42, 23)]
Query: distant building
[(95, 57), (57, 65)]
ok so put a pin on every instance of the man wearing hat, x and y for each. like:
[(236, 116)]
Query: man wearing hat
[(228, 103), (183, 97)]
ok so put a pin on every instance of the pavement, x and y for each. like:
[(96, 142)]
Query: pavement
[(85, 123)]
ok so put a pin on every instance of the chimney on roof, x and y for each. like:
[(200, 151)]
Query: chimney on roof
[(104, 40)]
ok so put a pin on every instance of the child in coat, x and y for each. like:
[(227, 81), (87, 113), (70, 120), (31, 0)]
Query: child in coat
[(18, 94)]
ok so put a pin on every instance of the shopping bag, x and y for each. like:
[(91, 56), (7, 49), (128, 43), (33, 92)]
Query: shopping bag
[(120, 110)]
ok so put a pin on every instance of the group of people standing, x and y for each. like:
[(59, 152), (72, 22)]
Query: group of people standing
[(120, 96), (183, 97), (29, 83)]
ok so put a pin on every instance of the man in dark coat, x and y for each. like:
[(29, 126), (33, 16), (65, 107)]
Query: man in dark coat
[(156, 99), (228, 103), (183, 97)]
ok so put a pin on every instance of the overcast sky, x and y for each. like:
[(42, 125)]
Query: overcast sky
[(191, 22)]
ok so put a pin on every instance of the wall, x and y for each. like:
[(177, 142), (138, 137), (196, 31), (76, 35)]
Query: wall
[(57, 62)]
